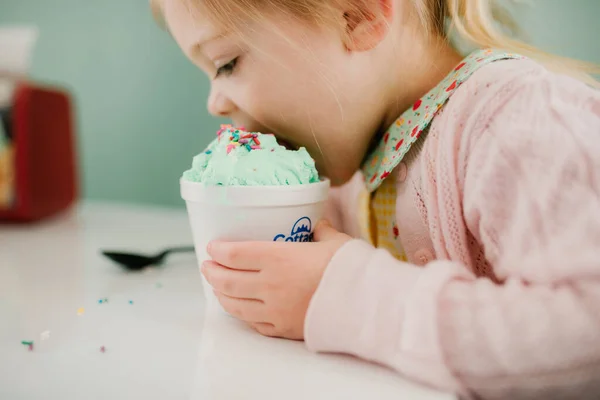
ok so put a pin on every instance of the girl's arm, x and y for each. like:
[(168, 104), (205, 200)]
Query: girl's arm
[(522, 174)]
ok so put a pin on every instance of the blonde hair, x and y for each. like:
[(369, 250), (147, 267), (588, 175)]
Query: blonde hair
[(480, 22)]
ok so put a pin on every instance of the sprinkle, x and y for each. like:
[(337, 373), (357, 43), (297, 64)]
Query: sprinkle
[(27, 343), (102, 349), (80, 311), (208, 152), (103, 300), (130, 301), (272, 150), (240, 137), (224, 128), (45, 335)]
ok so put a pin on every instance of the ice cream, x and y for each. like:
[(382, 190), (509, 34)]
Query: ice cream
[(246, 187), (240, 158)]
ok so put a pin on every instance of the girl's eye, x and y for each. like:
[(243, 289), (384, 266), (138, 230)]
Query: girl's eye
[(227, 69)]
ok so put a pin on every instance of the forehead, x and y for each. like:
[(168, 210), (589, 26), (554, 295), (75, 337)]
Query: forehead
[(189, 28)]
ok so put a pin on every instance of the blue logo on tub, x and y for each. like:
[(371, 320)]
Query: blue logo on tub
[(301, 232)]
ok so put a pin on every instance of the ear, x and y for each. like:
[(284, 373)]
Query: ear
[(367, 22)]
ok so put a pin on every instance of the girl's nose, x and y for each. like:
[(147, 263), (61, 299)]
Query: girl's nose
[(219, 105)]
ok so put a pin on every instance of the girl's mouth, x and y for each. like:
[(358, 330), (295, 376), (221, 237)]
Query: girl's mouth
[(285, 143)]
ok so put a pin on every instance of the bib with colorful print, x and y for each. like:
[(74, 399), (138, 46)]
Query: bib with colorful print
[(406, 130), (378, 203)]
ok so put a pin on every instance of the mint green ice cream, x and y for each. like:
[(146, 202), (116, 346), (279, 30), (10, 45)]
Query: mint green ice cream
[(240, 158)]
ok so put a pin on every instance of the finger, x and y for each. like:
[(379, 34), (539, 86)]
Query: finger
[(247, 256), (248, 310), (232, 282), (324, 232), (265, 328)]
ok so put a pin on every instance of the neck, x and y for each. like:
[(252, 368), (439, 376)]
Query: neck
[(418, 74)]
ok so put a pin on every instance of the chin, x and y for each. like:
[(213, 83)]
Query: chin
[(340, 176)]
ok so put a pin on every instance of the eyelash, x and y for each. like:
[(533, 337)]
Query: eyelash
[(227, 69)]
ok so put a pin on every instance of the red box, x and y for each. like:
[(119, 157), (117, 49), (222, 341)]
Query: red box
[(44, 171)]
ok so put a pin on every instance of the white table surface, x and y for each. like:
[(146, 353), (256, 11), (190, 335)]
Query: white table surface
[(164, 345)]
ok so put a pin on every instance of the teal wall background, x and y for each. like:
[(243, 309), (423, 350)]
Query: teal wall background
[(141, 105)]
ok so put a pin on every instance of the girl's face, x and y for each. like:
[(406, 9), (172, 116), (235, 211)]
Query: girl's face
[(292, 79)]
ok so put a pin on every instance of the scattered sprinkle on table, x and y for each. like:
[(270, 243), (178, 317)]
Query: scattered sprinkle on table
[(130, 301), (102, 349), (45, 335), (80, 311), (103, 300), (28, 343)]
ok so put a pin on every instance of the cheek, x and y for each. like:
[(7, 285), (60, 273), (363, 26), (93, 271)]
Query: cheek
[(272, 96), (300, 99), (305, 123), (294, 80), (301, 108)]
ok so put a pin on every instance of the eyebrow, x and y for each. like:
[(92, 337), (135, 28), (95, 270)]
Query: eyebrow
[(209, 39), (199, 55)]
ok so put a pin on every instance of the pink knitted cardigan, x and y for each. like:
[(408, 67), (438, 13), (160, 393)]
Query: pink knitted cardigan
[(505, 198)]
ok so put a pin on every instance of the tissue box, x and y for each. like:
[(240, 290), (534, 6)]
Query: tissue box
[(38, 174)]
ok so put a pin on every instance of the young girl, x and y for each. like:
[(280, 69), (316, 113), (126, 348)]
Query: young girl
[(469, 189)]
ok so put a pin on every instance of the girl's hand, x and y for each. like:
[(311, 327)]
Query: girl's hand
[(269, 284)]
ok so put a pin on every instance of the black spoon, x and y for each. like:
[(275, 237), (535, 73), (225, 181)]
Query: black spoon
[(135, 262)]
